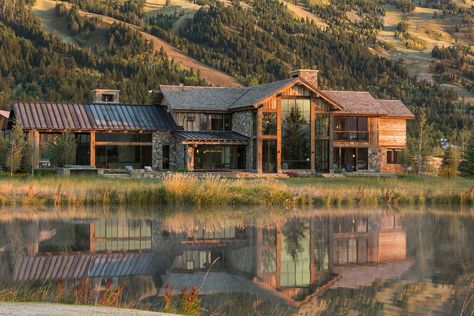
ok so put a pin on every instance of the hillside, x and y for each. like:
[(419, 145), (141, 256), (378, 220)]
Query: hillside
[(356, 45)]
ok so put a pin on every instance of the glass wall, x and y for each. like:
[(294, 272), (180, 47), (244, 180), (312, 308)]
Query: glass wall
[(117, 150), (351, 158), (269, 155), (216, 157), (351, 128), (296, 118)]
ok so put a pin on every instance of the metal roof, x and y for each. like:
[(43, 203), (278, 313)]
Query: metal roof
[(83, 265), (61, 116), (212, 137)]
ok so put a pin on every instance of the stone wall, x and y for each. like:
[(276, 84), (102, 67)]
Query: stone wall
[(177, 151), (242, 122), (375, 159)]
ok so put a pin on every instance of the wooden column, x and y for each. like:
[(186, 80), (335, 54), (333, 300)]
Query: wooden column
[(313, 134), (190, 158), (92, 237), (331, 141), (259, 141), (278, 106), (92, 148)]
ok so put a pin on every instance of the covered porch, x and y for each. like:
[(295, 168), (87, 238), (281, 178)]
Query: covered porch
[(214, 151)]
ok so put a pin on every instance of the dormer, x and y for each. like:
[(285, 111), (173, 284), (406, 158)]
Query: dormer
[(105, 96)]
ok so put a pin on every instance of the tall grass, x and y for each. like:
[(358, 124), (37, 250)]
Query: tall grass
[(186, 189)]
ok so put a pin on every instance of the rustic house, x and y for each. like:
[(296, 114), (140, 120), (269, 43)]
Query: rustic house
[(280, 127)]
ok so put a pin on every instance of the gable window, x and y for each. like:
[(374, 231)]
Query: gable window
[(215, 122), (351, 128), (269, 124), (394, 156)]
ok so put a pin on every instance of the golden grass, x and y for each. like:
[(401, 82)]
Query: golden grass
[(186, 189)]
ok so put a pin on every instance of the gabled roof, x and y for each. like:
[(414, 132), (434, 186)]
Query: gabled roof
[(60, 116), (396, 108), (363, 103), (224, 99)]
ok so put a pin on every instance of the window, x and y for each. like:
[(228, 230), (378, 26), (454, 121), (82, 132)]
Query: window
[(295, 133), (322, 155), (351, 128), (107, 98), (394, 156), (269, 153), (322, 125), (217, 122), (166, 157), (216, 157), (203, 123), (269, 123)]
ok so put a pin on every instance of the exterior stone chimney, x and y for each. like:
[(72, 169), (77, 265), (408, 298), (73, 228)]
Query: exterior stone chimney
[(309, 75), (105, 96)]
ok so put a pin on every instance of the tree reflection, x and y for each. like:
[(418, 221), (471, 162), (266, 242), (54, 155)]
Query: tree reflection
[(294, 232)]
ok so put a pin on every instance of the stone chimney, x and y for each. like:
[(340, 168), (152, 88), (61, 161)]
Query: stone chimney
[(105, 96), (309, 75)]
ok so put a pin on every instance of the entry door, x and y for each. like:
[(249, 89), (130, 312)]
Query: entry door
[(269, 156)]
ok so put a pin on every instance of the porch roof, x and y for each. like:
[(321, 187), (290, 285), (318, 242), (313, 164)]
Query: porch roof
[(212, 137)]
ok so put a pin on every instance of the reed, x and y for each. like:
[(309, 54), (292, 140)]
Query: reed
[(186, 189)]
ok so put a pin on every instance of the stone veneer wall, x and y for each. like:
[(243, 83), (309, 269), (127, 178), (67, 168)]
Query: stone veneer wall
[(375, 159), (242, 122), (177, 151)]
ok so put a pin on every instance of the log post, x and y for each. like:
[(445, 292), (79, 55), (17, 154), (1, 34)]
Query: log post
[(92, 149)]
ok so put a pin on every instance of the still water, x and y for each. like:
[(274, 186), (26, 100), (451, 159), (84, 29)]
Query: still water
[(252, 262)]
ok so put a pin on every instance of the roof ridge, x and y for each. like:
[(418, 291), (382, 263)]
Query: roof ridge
[(203, 87), (248, 90)]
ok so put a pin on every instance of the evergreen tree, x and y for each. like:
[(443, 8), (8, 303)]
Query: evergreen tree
[(3, 151), (16, 149), (62, 149), (450, 164), (466, 167)]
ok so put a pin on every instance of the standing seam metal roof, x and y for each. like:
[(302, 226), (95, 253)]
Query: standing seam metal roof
[(73, 116)]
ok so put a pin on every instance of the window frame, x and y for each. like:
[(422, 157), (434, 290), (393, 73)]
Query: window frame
[(393, 158)]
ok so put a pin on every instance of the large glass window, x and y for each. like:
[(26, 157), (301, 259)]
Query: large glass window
[(83, 149), (215, 157), (322, 125), (269, 153), (119, 156), (322, 155), (269, 123), (351, 128), (351, 158), (296, 117), (215, 122)]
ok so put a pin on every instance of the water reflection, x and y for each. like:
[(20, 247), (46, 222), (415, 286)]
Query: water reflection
[(299, 263)]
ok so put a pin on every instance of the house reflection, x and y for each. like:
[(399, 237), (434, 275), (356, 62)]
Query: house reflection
[(289, 263)]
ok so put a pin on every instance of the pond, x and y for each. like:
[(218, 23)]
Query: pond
[(245, 262)]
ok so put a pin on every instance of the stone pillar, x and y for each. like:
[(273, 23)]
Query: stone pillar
[(259, 142), (375, 159)]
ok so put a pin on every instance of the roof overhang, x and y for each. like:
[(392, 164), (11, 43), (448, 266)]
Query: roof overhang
[(211, 138)]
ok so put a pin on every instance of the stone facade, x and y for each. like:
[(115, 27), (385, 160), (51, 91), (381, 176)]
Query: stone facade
[(177, 151), (242, 122), (374, 159)]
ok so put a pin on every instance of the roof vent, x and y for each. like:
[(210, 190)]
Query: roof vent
[(309, 75), (106, 96)]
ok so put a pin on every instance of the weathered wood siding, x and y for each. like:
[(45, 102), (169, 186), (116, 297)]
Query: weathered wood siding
[(392, 132)]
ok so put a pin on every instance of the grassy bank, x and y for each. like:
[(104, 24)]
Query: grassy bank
[(185, 189)]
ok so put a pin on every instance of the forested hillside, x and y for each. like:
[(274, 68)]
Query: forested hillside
[(255, 41), (35, 65)]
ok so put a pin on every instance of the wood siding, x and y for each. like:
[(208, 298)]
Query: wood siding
[(392, 132)]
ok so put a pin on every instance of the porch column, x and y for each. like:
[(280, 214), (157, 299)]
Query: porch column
[(259, 142), (92, 148), (35, 139), (190, 158), (313, 134), (278, 160)]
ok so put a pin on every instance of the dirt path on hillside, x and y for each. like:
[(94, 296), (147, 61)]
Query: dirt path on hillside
[(212, 75)]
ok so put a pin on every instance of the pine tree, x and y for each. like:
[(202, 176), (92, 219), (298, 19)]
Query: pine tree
[(450, 164), (62, 149), (466, 167), (16, 149)]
